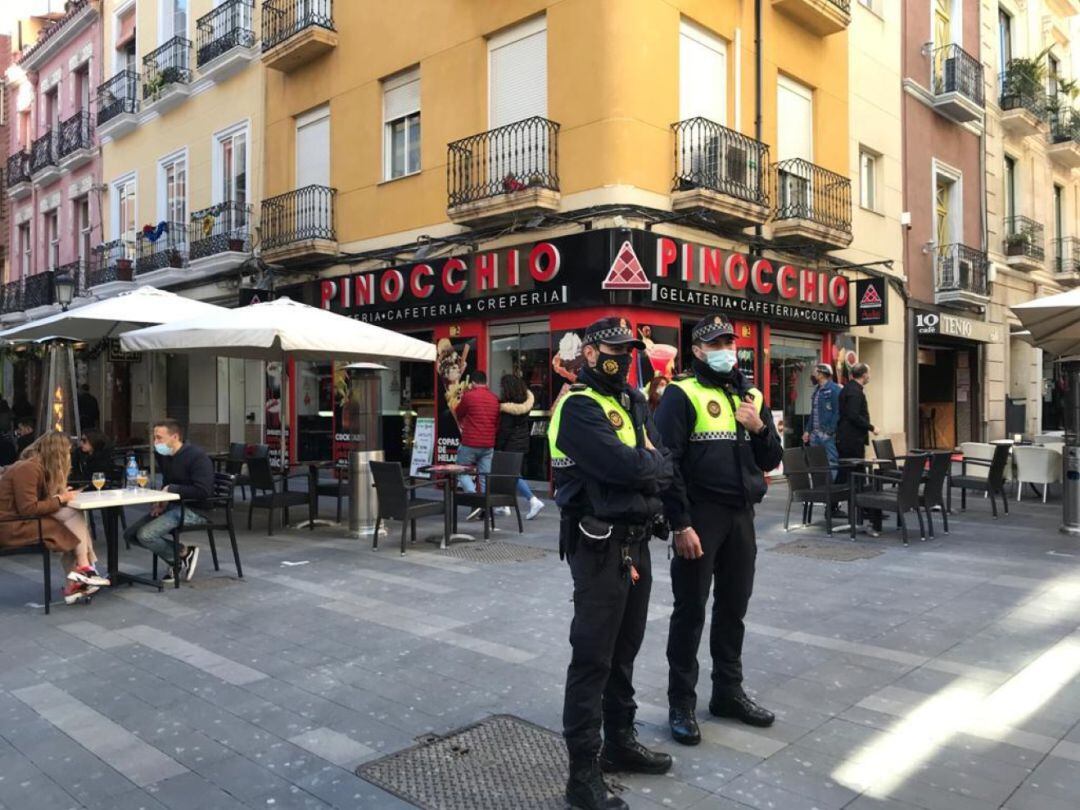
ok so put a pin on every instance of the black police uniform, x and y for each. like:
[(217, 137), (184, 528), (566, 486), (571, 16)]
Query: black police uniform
[(604, 485), (718, 478)]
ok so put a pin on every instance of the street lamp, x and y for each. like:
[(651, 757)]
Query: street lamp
[(64, 284)]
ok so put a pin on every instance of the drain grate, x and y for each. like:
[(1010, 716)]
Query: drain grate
[(822, 550), (494, 552), (500, 763)]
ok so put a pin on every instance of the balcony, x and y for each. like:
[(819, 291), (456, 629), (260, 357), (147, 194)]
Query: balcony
[(78, 16), (39, 291), (18, 175), (958, 84), (299, 224), (823, 17), (167, 75), (118, 105), (220, 238), (1064, 148), (162, 247), (225, 39), (720, 171), (962, 277), (1067, 260), (296, 32), (11, 298), (1025, 243), (111, 267), (1023, 101), (813, 206), (504, 173), (44, 159), (76, 141)]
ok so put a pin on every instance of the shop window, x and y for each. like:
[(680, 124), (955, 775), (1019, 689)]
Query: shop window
[(314, 385), (401, 124), (791, 360)]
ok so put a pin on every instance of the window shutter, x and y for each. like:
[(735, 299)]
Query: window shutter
[(794, 120), (518, 74), (401, 95), (702, 75), (313, 149)]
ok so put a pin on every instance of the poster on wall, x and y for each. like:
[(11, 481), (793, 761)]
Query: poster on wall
[(661, 353), (272, 418), (566, 361), (778, 423), (454, 357)]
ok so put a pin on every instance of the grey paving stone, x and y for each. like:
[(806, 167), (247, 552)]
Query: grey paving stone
[(241, 777)]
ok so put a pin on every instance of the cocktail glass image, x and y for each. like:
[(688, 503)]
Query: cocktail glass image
[(662, 357)]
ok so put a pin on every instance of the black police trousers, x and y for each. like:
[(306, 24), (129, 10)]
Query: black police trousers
[(605, 636), (730, 547)]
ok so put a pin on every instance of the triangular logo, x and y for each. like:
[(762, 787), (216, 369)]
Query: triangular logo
[(870, 297), (626, 272), (254, 299)]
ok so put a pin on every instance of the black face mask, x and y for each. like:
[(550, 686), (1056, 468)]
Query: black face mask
[(613, 368)]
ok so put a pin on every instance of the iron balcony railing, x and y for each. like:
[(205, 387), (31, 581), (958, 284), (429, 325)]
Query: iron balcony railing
[(11, 297), (118, 95), (283, 19), (297, 216), (164, 245), (1064, 126), (843, 5), (220, 228), (170, 64), (18, 168), (1067, 255), (962, 269), (957, 71), (43, 153), (1019, 91), (77, 271), (76, 133), (1025, 237), (512, 158), (112, 261), (228, 26), (38, 290), (807, 191), (713, 157)]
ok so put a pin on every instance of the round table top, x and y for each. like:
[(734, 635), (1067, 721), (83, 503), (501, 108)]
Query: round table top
[(451, 469)]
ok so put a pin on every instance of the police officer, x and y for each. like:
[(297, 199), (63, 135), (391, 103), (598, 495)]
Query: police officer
[(608, 471), (721, 438)]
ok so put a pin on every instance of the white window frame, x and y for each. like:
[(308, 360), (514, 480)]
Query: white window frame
[(217, 148), (406, 77), (82, 233), (166, 19), (52, 238), (116, 187), (26, 249), (956, 201), (875, 180), (181, 155), (312, 116), (956, 24), (118, 13), (521, 30)]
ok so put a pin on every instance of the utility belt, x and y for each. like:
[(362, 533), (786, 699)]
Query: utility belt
[(597, 534)]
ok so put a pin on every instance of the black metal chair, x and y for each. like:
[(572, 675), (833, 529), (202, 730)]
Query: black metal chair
[(500, 489), (34, 548), (222, 498), (811, 483), (993, 484), (933, 492), (888, 468), (337, 487), (903, 499), (269, 497), (239, 453), (397, 500)]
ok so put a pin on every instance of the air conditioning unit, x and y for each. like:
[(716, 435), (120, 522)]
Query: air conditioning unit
[(735, 165), (966, 277), (795, 195)]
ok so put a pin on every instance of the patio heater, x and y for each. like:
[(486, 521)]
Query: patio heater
[(59, 409), (362, 424), (1070, 458)]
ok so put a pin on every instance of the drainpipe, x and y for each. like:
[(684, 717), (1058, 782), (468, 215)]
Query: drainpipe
[(757, 92)]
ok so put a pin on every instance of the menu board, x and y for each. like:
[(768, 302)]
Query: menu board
[(423, 445)]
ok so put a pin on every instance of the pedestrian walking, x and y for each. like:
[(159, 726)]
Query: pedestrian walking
[(722, 441), (515, 402), (854, 428), (824, 414), (609, 468), (477, 414)]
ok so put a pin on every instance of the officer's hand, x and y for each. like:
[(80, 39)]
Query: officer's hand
[(806, 438), (688, 545), (748, 417)]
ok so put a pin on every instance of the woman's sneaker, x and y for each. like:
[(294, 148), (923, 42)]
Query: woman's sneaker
[(502, 510), (88, 576), (535, 505), (75, 592), (475, 514)]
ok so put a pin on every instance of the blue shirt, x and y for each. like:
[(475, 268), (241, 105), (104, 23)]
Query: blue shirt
[(825, 408)]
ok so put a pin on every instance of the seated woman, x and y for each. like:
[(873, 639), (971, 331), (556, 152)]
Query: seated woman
[(36, 486), (95, 456)]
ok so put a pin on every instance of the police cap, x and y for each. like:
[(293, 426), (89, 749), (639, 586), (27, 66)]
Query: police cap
[(712, 328), (612, 331)]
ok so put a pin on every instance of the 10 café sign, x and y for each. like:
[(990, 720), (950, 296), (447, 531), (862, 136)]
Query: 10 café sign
[(939, 323)]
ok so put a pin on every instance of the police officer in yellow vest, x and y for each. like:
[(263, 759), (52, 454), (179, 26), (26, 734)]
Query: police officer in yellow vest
[(608, 468), (722, 441)]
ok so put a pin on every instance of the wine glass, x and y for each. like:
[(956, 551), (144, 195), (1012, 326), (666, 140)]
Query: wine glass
[(98, 480), (142, 479)]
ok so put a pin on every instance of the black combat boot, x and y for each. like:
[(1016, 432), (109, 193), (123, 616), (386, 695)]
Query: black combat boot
[(735, 703), (586, 788), (684, 726), (623, 752)]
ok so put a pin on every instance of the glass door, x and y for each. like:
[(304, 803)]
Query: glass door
[(524, 350), (791, 360)]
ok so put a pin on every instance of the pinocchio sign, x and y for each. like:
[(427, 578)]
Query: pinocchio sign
[(594, 268)]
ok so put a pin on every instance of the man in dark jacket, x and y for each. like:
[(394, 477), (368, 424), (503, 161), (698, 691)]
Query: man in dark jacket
[(854, 428), (187, 471), (722, 442), (89, 412), (608, 467)]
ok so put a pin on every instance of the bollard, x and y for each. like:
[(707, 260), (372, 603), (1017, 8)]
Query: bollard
[(363, 505)]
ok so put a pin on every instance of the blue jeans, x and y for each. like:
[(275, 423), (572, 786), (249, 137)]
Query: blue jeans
[(523, 490), (480, 457), (155, 533), (829, 443)]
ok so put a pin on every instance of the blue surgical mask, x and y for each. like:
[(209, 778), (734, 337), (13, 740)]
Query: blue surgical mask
[(721, 360), (162, 449)]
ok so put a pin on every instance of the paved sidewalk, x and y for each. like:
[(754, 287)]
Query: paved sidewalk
[(943, 675)]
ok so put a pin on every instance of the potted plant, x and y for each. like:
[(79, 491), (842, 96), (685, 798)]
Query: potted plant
[(236, 244), (1024, 79), (175, 259), (1016, 243)]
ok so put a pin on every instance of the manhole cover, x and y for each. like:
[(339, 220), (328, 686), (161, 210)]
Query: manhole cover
[(821, 550), (501, 763), (494, 552)]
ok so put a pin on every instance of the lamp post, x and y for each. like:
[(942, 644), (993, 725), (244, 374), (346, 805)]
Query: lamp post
[(64, 284)]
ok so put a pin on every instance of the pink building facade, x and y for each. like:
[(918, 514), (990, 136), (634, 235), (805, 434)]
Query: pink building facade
[(53, 172)]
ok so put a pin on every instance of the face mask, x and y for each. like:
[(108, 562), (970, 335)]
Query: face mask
[(614, 367), (721, 360), (162, 449)]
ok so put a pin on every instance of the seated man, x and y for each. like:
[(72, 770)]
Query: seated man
[(187, 471)]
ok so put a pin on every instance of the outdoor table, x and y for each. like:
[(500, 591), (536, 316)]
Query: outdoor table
[(451, 472), (110, 501)]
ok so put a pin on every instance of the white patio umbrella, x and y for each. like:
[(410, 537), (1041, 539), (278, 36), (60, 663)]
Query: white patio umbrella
[(278, 331), (1053, 321)]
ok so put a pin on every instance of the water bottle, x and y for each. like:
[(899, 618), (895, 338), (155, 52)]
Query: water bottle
[(131, 472)]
